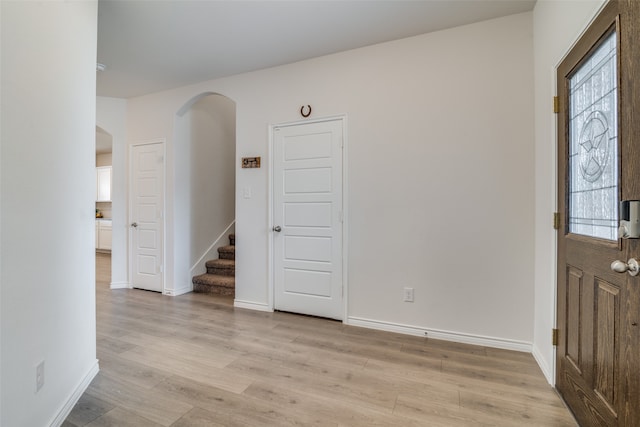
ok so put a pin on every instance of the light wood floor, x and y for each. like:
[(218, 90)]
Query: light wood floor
[(194, 360)]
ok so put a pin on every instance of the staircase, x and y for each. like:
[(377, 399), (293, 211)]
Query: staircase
[(220, 276)]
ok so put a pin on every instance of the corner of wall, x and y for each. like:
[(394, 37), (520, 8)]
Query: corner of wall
[(547, 370)]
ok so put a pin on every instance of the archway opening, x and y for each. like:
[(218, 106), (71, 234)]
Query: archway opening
[(204, 190)]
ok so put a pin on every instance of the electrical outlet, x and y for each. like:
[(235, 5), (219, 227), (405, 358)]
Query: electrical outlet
[(39, 376), (408, 294)]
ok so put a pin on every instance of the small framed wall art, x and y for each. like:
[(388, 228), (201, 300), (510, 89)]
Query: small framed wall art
[(250, 162)]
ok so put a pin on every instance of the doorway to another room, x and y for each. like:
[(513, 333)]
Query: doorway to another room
[(103, 212), (598, 294), (147, 216), (308, 216), (201, 206)]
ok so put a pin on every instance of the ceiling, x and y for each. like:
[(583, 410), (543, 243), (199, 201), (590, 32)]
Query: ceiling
[(153, 45)]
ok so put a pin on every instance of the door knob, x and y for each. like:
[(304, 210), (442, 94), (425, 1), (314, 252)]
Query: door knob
[(631, 266), (134, 224), (277, 229)]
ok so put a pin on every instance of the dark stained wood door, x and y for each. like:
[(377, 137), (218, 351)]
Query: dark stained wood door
[(598, 311)]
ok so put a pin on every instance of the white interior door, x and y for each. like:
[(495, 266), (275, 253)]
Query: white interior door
[(307, 218), (147, 216)]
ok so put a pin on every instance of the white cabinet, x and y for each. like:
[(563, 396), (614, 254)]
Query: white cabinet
[(103, 184), (103, 234)]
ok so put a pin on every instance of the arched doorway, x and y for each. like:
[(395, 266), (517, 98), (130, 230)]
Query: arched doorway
[(203, 178)]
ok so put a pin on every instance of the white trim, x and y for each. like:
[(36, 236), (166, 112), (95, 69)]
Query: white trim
[(550, 371), (270, 271), (547, 370), (179, 291), (75, 395), (120, 285), (578, 36), (345, 221), (460, 337), (207, 254), (252, 305), (163, 273), (345, 216)]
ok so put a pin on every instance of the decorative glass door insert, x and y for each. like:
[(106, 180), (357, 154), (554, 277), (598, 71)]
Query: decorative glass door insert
[(593, 144)]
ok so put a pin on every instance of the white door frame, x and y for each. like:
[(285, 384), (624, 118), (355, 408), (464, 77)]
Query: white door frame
[(161, 141), (345, 210)]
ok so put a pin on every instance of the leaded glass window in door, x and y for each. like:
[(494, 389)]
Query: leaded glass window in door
[(593, 144)]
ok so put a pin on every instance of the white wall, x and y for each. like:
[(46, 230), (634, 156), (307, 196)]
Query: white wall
[(47, 263), (204, 185), (213, 162), (557, 25), (111, 116), (440, 173)]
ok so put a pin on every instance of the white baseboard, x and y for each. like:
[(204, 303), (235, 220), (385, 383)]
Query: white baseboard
[(176, 292), (442, 335), (251, 305), (120, 285), (547, 371), (75, 395)]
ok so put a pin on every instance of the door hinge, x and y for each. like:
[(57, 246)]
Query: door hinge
[(556, 220), (556, 104), (554, 337)]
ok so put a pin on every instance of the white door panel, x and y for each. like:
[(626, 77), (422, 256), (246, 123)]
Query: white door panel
[(307, 203), (314, 146), (312, 180), (309, 214), (147, 213), (307, 248), (308, 282)]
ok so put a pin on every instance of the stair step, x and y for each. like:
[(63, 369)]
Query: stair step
[(214, 284), (222, 267), (227, 252), (220, 276)]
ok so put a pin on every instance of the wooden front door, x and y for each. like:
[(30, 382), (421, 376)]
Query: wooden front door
[(598, 312)]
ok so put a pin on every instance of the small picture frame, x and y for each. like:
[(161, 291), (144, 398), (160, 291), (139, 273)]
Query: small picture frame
[(250, 162)]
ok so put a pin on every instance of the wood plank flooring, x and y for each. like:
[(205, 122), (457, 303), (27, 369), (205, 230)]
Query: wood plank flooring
[(195, 360)]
